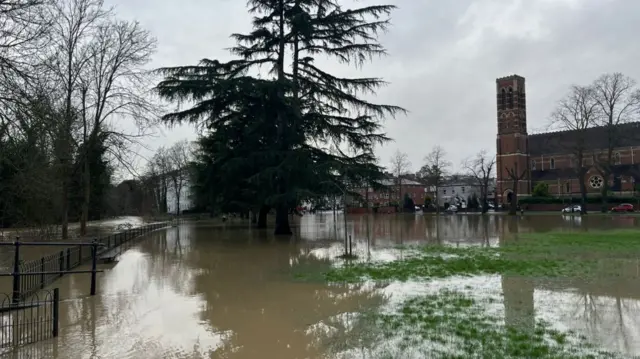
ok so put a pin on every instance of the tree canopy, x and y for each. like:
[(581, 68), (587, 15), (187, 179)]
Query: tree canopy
[(274, 134)]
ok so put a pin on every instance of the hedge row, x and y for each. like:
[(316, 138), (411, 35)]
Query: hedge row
[(577, 200)]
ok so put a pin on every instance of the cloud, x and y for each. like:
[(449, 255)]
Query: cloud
[(444, 57)]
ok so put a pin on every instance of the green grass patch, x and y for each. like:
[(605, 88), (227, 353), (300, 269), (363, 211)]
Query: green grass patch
[(570, 254), (452, 325), (617, 242)]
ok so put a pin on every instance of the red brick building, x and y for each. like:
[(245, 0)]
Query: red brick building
[(391, 195), (548, 157)]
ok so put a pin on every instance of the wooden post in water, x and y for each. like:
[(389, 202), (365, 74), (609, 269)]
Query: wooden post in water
[(16, 272), (344, 211)]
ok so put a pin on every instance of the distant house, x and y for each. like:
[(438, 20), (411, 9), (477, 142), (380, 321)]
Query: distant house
[(457, 189), (390, 194)]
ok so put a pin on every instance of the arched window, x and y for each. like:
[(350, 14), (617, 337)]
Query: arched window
[(533, 165), (510, 98), (616, 158), (503, 99), (552, 163)]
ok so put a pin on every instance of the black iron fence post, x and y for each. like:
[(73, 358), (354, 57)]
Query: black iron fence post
[(61, 262), (94, 263), (16, 272), (42, 274), (56, 311), (68, 258)]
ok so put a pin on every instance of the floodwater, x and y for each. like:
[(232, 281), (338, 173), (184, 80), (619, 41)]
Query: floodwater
[(203, 291), (94, 229)]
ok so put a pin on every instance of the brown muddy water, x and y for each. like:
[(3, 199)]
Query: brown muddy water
[(204, 291)]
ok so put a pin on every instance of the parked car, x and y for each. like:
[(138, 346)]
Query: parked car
[(572, 209), (623, 207), (452, 209)]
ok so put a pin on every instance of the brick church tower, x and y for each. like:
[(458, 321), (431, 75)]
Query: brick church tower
[(512, 151)]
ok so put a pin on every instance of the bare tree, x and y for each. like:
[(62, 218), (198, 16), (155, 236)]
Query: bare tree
[(400, 167), (75, 23), (577, 112), (25, 26), (481, 169), (435, 169), (179, 158), (158, 174), (618, 100), (516, 175), (117, 89)]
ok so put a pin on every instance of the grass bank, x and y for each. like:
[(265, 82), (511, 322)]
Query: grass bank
[(456, 325), (564, 254)]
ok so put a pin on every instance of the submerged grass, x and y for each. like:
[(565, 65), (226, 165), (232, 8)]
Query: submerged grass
[(572, 254), (452, 325)]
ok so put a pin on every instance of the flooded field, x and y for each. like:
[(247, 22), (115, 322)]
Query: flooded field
[(494, 286)]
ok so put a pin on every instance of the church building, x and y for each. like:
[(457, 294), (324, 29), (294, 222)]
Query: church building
[(548, 157)]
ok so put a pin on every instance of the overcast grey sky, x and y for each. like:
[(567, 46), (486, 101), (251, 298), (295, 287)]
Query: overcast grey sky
[(444, 57)]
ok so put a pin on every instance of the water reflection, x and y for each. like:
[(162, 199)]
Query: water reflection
[(518, 302), (392, 230), (146, 308), (203, 291)]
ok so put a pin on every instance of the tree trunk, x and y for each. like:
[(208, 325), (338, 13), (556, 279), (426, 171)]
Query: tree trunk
[(400, 198), (86, 175), (483, 198), (65, 206), (86, 196), (165, 207), (282, 221), (64, 162), (262, 217), (178, 203)]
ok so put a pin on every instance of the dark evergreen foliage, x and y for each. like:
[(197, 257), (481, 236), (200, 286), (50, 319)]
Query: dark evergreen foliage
[(408, 204), (275, 140)]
